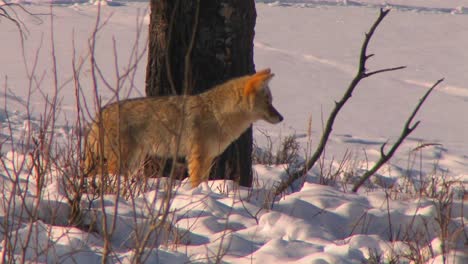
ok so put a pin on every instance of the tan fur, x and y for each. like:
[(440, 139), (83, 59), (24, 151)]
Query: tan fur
[(161, 126)]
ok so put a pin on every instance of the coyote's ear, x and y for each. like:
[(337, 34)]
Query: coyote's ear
[(257, 81)]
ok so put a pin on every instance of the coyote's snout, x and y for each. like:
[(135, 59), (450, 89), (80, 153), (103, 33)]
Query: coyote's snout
[(197, 127)]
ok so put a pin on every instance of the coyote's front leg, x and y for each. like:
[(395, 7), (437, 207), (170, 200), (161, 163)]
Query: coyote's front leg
[(199, 165)]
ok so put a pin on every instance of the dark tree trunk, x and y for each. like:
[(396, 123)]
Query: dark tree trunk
[(222, 49)]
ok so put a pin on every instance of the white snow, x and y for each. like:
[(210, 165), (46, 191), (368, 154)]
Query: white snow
[(312, 47)]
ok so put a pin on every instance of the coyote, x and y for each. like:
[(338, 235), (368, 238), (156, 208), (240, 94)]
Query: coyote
[(197, 127)]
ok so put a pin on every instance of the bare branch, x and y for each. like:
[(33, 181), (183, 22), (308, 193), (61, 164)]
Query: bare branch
[(407, 129), (361, 74), (363, 57), (368, 74)]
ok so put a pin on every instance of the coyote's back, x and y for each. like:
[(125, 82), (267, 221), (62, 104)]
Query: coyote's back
[(197, 127)]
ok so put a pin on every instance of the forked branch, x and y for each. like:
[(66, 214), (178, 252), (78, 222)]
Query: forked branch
[(7, 11), (360, 75), (407, 129)]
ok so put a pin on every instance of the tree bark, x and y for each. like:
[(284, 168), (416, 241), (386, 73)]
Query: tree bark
[(222, 49)]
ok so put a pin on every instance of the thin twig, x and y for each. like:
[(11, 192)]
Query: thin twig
[(168, 50), (14, 17), (188, 54)]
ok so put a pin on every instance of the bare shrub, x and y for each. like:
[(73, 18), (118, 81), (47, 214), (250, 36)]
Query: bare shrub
[(287, 151), (39, 156)]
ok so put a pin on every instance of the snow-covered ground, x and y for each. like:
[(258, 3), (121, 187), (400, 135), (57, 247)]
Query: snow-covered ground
[(312, 47), (416, 5)]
